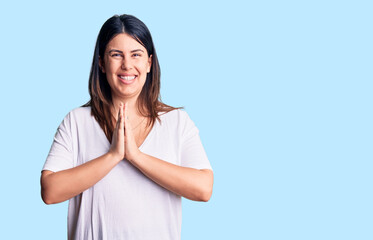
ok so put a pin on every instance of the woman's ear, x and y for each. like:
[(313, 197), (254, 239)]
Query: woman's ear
[(101, 64), (150, 63)]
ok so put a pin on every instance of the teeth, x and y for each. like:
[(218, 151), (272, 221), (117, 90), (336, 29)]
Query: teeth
[(127, 77)]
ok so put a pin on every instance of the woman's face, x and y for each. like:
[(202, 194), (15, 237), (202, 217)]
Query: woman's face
[(126, 64)]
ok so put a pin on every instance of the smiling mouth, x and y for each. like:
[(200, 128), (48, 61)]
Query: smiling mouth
[(127, 78)]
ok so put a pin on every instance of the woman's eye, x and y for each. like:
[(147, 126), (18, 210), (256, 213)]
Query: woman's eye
[(136, 55), (116, 55)]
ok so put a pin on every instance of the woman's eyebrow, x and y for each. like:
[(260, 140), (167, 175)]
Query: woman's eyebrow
[(137, 50), (115, 50)]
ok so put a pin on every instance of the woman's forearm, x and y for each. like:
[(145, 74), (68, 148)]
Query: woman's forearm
[(190, 183), (60, 186)]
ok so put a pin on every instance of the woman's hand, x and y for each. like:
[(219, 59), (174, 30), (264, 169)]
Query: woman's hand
[(131, 149), (123, 144), (117, 148)]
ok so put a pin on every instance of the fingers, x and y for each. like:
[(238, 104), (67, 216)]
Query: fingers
[(120, 117), (117, 144), (117, 124), (126, 120)]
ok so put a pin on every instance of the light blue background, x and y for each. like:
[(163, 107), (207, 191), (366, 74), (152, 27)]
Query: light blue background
[(280, 90)]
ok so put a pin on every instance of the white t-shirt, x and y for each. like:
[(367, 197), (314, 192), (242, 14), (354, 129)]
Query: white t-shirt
[(125, 204)]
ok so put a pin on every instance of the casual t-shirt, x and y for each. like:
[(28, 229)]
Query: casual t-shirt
[(125, 204)]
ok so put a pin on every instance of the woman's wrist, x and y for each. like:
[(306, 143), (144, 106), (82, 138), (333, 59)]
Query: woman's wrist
[(114, 157), (134, 157)]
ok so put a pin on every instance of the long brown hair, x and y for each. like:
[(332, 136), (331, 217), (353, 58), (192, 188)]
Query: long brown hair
[(148, 102)]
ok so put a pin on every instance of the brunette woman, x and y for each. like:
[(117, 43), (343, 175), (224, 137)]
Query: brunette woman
[(125, 159)]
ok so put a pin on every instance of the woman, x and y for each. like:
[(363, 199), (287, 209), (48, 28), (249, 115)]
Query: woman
[(125, 158)]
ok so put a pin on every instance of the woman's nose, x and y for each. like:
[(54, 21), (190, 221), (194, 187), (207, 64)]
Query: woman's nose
[(126, 64)]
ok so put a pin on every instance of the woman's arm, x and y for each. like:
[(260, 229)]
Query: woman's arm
[(190, 183), (60, 186)]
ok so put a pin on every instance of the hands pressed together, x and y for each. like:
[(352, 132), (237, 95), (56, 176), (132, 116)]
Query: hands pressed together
[(123, 145)]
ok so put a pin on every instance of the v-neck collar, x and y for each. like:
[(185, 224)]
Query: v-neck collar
[(142, 144)]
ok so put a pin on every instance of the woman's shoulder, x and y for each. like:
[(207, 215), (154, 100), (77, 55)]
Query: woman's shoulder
[(176, 119), (78, 114), (175, 115), (81, 111)]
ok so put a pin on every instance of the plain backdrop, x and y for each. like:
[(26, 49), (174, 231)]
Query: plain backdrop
[(281, 92)]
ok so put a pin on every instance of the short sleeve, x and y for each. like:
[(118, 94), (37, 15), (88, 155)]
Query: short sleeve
[(193, 154), (60, 156)]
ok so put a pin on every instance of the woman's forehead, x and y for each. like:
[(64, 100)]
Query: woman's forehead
[(124, 43)]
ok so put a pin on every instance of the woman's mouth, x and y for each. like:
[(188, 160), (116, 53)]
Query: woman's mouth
[(127, 79)]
